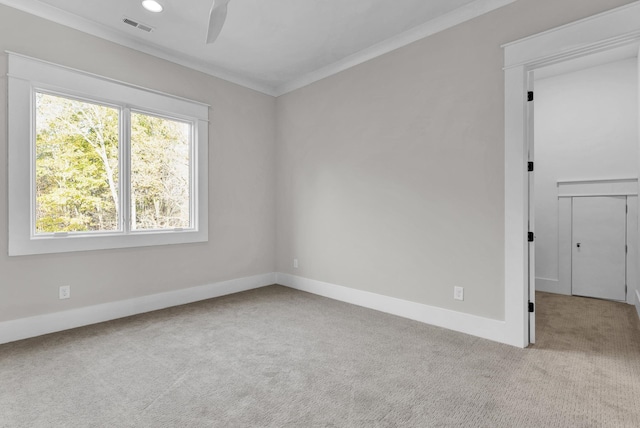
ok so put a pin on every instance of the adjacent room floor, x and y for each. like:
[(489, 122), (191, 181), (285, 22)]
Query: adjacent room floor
[(276, 357)]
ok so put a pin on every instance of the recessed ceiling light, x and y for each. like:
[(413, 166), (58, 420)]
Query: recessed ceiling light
[(152, 6)]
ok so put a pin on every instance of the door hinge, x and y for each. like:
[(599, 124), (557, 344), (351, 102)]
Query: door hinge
[(529, 166), (530, 236), (532, 307), (530, 96)]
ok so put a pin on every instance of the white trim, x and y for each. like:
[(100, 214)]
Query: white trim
[(26, 65), (601, 32), (23, 67), (441, 23), (516, 208), (632, 248), (451, 19), (24, 328), (612, 181), (458, 321), (616, 27), (582, 195), (598, 187), (638, 302)]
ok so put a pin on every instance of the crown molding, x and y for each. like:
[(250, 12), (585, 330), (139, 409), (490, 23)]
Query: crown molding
[(59, 16), (441, 23), (451, 19)]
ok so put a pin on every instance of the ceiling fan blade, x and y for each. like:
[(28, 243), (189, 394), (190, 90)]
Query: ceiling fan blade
[(217, 16)]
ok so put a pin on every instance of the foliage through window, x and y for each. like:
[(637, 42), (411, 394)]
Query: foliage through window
[(159, 172), (77, 174), (77, 168)]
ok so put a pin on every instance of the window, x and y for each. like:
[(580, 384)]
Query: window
[(96, 164), (77, 171), (160, 195)]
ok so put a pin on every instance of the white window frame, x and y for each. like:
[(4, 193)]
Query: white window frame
[(26, 76)]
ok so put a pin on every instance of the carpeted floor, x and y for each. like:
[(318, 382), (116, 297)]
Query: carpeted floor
[(276, 357)]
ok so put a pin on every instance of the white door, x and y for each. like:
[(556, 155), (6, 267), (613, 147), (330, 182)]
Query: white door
[(532, 246), (598, 264)]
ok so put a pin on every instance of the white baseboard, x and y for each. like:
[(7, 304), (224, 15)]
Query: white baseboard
[(458, 321), (638, 302), (549, 286), (49, 323)]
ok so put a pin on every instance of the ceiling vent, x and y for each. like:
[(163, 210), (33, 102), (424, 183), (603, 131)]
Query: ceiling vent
[(135, 24)]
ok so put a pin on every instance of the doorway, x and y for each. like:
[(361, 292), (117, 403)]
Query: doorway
[(613, 29), (586, 141)]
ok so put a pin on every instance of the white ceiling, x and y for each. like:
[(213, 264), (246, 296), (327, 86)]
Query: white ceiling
[(273, 46)]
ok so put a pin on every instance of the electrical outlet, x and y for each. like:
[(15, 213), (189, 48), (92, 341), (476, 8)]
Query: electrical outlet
[(458, 293), (295, 263), (64, 292)]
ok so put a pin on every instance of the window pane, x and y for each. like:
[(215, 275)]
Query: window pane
[(76, 165), (160, 173)]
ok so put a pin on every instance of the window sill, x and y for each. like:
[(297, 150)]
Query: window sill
[(83, 242)]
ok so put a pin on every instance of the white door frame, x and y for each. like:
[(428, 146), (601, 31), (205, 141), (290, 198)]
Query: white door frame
[(601, 32)]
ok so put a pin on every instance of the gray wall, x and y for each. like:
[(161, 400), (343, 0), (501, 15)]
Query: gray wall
[(241, 182), (390, 174)]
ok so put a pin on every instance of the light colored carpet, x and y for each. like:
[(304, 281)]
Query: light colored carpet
[(276, 357)]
